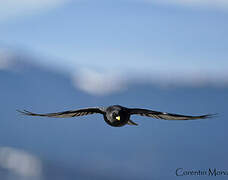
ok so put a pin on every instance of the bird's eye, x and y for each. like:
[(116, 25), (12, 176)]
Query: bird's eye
[(114, 115)]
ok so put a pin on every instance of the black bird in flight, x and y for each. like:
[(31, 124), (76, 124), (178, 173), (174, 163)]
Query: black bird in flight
[(118, 115)]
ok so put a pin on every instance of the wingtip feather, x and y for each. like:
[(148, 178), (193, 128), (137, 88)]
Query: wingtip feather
[(206, 116), (211, 115), (25, 112)]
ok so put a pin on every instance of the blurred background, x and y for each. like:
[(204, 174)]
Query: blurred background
[(166, 55)]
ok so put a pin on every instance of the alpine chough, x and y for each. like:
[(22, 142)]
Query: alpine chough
[(117, 115)]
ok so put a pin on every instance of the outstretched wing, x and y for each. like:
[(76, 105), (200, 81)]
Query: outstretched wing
[(166, 116), (65, 114)]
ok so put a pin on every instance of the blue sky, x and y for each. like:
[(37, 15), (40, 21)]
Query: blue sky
[(166, 39), (103, 46)]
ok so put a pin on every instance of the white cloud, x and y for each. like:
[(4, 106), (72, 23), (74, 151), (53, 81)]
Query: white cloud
[(5, 59), (105, 83), (194, 3), (184, 78), (98, 83), (15, 8), (20, 162)]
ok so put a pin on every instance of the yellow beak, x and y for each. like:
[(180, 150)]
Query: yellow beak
[(118, 118)]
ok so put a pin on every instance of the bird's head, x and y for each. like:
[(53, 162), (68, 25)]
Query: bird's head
[(116, 116)]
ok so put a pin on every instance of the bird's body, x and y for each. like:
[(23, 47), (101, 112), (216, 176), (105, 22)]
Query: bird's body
[(117, 115), (112, 114)]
